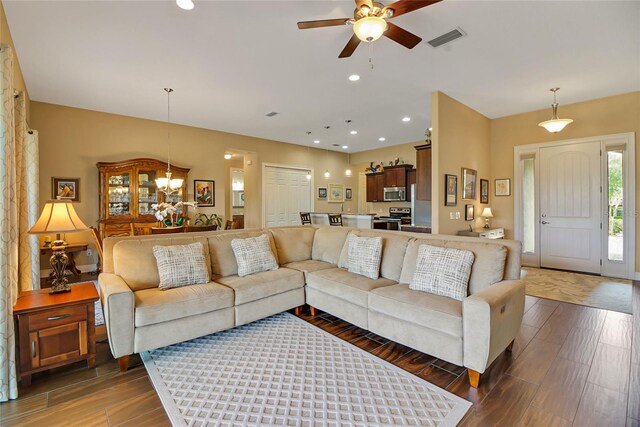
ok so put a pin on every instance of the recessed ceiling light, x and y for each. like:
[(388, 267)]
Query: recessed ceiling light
[(354, 77), (317, 141), (406, 119), (345, 147), (382, 138), (228, 156), (185, 4), (354, 132)]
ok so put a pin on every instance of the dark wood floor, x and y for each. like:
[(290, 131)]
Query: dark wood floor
[(571, 365)]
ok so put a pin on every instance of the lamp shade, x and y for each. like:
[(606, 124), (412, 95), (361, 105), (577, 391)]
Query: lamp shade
[(487, 213), (58, 216), (555, 125), (370, 28)]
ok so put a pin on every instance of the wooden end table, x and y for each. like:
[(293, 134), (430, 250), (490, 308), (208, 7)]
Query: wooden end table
[(55, 329)]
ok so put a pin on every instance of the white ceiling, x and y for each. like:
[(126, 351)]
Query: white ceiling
[(231, 62)]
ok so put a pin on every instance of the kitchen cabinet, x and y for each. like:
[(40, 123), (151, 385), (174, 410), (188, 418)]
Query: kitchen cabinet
[(423, 172), (411, 179), (396, 176), (375, 187)]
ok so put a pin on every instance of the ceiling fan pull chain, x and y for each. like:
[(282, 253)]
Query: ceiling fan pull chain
[(371, 55)]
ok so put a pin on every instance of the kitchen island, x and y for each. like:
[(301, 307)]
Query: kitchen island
[(348, 220)]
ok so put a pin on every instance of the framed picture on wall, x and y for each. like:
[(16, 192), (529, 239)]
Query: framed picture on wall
[(204, 191), (65, 189), (469, 212), (450, 190), (347, 194), (322, 193), (484, 191), (503, 187), (469, 178), (336, 193)]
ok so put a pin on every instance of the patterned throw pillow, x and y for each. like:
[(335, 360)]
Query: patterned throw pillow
[(253, 255), (365, 254), (442, 271), (181, 265)]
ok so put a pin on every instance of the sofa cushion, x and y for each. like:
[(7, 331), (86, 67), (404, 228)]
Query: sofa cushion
[(293, 244), (309, 266), (181, 265), (487, 269), (328, 243), (394, 247), (254, 255), (262, 285), (157, 305), (223, 261), (421, 308), (348, 286), (442, 271), (133, 259), (364, 255)]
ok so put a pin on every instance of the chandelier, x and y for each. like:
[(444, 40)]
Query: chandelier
[(168, 185)]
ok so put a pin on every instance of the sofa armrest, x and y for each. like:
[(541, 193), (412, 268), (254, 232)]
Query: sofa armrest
[(491, 319), (118, 303)]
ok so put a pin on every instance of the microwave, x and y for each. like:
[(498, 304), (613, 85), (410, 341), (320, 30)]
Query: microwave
[(395, 194)]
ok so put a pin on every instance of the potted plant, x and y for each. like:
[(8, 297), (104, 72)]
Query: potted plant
[(204, 220)]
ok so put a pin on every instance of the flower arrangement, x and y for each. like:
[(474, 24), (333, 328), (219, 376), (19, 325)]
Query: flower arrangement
[(170, 210)]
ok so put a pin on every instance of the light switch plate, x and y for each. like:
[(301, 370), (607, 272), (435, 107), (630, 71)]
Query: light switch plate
[(457, 215)]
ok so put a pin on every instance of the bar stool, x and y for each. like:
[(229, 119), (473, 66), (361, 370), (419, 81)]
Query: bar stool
[(335, 220), (305, 218)]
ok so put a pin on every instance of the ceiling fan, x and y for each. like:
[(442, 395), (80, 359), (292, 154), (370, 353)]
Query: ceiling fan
[(370, 23)]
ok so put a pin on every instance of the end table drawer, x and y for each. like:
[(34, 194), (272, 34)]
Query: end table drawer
[(56, 317)]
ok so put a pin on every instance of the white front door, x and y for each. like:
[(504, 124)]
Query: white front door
[(287, 192), (570, 201)]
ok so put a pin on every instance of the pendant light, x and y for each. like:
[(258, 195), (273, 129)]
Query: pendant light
[(347, 171), (167, 185), (327, 174), (555, 125)]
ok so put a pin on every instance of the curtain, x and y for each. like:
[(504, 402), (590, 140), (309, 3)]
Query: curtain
[(8, 229)]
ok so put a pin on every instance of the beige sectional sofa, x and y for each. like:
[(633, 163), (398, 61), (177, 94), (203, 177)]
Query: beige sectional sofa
[(472, 333)]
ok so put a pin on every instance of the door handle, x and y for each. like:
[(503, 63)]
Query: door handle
[(545, 222)]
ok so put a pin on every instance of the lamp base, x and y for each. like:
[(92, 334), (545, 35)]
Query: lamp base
[(59, 261), (486, 224)]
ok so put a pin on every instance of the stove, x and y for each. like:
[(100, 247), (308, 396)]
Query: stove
[(396, 217)]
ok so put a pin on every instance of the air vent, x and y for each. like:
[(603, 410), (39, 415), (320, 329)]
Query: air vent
[(336, 145), (271, 114), (446, 38)]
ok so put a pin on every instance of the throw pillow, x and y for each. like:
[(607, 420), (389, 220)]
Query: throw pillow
[(181, 265), (365, 254), (442, 271), (253, 255)]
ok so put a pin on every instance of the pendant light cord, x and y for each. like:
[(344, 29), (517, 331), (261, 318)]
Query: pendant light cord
[(168, 90)]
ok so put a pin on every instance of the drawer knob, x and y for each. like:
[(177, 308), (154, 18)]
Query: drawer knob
[(62, 316)]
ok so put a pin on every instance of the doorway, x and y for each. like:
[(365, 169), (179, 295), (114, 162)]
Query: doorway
[(286, 193), (569, 204)]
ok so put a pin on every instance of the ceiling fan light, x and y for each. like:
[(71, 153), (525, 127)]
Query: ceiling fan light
[(555, 125), (370, 28), (185, 4)]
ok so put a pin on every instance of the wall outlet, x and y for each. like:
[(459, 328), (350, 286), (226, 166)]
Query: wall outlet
[(457, 215), (89, 252)]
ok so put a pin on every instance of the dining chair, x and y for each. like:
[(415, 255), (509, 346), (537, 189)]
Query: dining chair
[(305, 218), (335, 220), (167, 230)]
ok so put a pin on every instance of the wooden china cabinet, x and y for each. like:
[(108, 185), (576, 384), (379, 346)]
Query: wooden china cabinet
[(127, 192)]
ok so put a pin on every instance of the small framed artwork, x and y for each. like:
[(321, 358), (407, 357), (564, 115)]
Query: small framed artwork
[(450, 190), (503, 187), (336, 193), (469, 212), (484, 191), (347, 194), (204, 191), (65, 189), (322, 193), (469, 178)]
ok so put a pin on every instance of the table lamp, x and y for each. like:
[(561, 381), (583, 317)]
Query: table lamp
[(58, 216), (486, 213)]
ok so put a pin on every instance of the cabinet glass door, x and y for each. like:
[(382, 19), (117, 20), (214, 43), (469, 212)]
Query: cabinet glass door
[(118, 196), (147, 191)]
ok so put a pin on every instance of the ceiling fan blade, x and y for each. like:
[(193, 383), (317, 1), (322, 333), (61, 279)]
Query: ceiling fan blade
[(405, 6), (351, 46), (404, 37), (322, 23)]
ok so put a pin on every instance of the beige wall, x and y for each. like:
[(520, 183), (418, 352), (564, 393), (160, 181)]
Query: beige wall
[(6, 39), (460, 138), (611, 115), (73, 140)]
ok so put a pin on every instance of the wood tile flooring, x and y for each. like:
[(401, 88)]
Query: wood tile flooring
[(571, 365)]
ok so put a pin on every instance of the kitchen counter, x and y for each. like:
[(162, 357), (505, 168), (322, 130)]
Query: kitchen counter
[(416, 228), (348, 219)]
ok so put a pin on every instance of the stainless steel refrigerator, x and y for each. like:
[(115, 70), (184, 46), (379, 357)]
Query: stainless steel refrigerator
[(420, 209)]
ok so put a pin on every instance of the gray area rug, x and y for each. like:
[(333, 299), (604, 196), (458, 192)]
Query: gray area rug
[(98, 307), (285, 371)]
